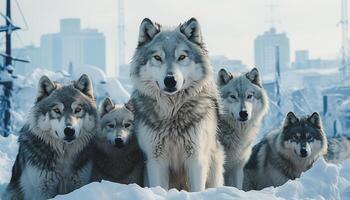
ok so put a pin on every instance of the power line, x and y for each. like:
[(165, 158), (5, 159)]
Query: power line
[(23, 17)]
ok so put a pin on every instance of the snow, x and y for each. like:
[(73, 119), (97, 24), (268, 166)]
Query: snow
[(322, 181)]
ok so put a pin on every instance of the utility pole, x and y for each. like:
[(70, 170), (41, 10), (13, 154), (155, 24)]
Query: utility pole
[(278, 76), (6, 74), (344, 23), (121, 35), (272, 14)]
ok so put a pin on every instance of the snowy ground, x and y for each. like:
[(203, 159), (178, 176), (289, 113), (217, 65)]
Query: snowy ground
[(323, 181)]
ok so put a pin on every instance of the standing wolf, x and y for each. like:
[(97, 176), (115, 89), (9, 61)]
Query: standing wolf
[(176, 107), (245, 104), (285, 153), (54, 155), (118, 157)]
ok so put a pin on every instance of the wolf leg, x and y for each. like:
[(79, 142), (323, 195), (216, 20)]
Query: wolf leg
[(197, 174), (216, 171), (238, 177), (158, 173)]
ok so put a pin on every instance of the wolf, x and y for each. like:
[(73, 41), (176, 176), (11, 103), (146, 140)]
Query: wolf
[(54, 155), (245, 103), (117, 157), (285, 153), (338, 149), (176, 106)]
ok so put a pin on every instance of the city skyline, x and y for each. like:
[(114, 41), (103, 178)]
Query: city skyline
[(230, 29)]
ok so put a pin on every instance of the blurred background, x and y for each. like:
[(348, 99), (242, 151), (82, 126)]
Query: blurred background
[(300, 47)]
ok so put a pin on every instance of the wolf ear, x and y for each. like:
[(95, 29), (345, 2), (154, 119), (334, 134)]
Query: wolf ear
[(224, 77), (84, 84), (254, 76), (129, 106), (107, 106), (290, 119), (147, 31), (315, 119), (46, 86), (191, 29)]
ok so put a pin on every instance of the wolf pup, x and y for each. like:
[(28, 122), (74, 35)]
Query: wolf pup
[(285, 153), (245, 104), (176, 106), (118, 157), (54, 155), (338, 149)]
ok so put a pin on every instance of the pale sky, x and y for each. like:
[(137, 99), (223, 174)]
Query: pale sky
[(229, 26)]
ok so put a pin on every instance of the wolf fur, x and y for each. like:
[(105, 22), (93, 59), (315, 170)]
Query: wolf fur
[(245, 104), (176, 106), (338, 149), (118, 157), (50, 161), (285, 153)]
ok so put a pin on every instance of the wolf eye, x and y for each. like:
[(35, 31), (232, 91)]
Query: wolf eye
[(110, 125), (249, 96), (182, 57), (233, 96), (57, 110), (158, 58), (127, 125), (77, 110)]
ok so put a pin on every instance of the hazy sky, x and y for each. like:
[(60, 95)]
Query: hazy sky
[(229, 26)]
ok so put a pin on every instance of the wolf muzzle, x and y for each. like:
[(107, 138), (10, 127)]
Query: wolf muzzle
[(69, 133)]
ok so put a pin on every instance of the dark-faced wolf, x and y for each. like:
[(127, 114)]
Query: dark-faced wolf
[(285, 153)]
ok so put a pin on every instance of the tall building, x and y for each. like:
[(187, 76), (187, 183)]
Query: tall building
[(73, 45), (264, 51)]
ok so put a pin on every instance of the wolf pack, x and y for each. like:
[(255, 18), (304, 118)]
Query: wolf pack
[(180, 129)]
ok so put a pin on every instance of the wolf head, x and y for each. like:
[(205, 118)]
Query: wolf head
[(243, 97), (116, 122), (169, 61), (303, 137), (62, 112)]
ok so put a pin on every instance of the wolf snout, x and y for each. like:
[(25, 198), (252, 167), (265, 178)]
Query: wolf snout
[(119, 143), (243, 115), (170, 83), (303, 153), (69, 132)]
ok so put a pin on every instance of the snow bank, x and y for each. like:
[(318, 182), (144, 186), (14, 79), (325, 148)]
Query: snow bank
[(8, 152), (322, 181)]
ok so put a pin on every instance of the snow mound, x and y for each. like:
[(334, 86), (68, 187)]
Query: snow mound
[(324, 181)]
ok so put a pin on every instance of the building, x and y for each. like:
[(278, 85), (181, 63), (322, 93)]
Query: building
[(303, 61), (73, 45), (30, 53), (265, 51), (231, 65)]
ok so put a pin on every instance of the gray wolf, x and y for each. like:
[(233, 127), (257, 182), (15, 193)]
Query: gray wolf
[(176, 106), (285, 153), (118, 157), (338, 149), (245, 103), (54, 155)]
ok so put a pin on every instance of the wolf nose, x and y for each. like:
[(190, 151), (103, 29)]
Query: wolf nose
[(119, 142), (243, 115), (303, 153), (69, 132), (170, 81)]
